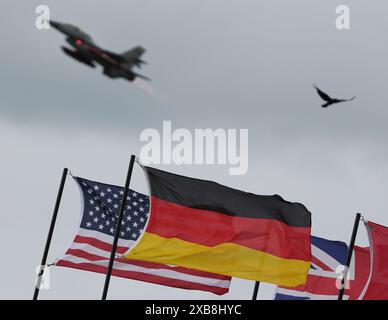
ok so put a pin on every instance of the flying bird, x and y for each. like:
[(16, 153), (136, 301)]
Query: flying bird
[(328, 99)]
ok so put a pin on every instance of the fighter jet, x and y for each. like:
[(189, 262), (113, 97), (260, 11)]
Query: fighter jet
[(329, 101), (86, 51)]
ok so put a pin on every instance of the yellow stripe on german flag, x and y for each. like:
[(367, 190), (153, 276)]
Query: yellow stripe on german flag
[(226, 258), (203, 225)]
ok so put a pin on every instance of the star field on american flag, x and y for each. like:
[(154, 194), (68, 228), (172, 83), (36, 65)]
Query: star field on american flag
[(101, 209)]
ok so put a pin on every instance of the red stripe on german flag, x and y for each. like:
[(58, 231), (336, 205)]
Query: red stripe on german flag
[(206, 226), (211, 228)]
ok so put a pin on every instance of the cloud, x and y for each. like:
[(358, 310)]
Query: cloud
[(219, 64)]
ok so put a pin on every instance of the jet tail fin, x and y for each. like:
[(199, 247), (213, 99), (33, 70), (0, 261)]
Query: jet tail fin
[(133, 54)]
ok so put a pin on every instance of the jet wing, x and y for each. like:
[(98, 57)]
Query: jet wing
[(111, 73), (115, 56), (130, 56)]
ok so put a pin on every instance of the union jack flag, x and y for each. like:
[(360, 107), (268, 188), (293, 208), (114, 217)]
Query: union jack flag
[(326, 259)]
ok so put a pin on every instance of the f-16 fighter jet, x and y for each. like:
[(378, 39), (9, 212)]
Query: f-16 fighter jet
[(86, 51)]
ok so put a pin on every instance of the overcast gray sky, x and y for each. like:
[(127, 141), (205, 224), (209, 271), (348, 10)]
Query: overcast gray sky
[(215, 64)]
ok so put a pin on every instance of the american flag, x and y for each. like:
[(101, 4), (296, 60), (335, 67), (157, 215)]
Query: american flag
[(91, 247), (327, 257)]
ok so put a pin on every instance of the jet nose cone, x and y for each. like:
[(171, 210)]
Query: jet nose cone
[(55, 24)]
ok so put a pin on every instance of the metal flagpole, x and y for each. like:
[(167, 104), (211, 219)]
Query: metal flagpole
[(256, 290), (50, 234), (349, 255), (118, 228)]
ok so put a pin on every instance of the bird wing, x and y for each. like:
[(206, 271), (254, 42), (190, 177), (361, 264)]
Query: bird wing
[(323, 95), (344, 100)]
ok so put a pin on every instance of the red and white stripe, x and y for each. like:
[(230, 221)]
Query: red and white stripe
[(91, 250)]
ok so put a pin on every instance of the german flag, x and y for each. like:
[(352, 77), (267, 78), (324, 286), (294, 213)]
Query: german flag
[(206, 226)]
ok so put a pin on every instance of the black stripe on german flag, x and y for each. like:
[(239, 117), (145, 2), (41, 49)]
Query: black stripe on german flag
[(211, 196)]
